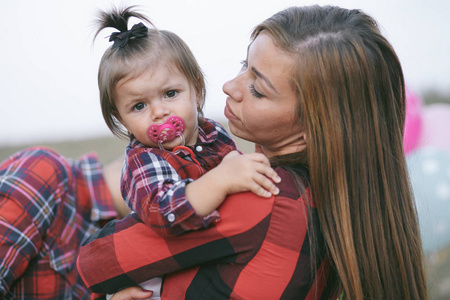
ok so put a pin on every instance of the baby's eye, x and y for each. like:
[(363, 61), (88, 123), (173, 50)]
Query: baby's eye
[(171, 93), (139, 106)]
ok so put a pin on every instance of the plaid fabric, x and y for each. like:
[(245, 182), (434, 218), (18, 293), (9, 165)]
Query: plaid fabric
[(259, 250), (154, 180), (48, 206)]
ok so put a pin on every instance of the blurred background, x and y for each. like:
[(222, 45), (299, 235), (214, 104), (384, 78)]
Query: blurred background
[(49, 95)]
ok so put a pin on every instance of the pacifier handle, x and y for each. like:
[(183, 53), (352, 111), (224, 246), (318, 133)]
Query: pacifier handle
[(182, 143), (168, 131)]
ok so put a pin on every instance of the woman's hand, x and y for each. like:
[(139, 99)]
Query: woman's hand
[(132, 293)]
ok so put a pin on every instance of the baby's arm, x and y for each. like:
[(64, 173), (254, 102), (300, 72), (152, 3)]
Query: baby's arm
[(155, 191), (236, 173)]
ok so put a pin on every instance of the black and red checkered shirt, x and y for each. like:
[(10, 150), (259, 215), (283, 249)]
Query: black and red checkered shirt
[(259, 250)]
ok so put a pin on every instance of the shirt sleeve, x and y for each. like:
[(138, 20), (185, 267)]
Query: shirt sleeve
[(19, 243), (30, 183), (153, 189), (107, 262)]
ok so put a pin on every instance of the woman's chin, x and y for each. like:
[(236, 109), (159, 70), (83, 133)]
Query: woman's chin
[(238, 132)]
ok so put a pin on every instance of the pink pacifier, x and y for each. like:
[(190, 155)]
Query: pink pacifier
[(166, 132)]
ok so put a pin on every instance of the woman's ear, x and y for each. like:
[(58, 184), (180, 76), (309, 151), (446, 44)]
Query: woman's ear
[(303, 142), (305, 137)]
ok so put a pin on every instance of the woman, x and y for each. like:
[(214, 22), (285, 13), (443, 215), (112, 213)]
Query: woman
[(322, 95)]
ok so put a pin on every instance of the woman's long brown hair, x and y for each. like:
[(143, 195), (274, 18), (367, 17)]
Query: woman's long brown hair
[(351, 96)]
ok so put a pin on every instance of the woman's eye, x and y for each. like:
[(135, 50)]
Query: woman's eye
[(139, 106), (254, 92), (171, 93)]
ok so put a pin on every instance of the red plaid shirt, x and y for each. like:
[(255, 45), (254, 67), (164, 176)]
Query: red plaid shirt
[(48, 206), (259, 250), (154, 180)]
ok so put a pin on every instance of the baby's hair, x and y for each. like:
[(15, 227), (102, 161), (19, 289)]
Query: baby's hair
[(118, 19), (137, 55)]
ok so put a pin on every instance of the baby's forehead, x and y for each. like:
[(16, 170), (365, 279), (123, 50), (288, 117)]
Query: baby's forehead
[(157, 61), (154, 70), (144, 65)]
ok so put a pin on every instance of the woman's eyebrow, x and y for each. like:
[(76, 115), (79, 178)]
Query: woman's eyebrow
[(264, 78)]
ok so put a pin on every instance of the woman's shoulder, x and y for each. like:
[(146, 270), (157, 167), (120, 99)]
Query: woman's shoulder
[(294, 184)]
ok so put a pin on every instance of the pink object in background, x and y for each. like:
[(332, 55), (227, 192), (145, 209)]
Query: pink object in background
[(436, 126), (413, 122)]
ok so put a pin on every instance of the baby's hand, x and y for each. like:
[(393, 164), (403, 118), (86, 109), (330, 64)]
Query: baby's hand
[(236, 173), (249, 172)]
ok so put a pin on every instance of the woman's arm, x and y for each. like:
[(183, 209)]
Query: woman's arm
[(126, 252)]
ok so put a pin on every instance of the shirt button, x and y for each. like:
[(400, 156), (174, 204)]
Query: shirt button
[(199, 148), (171, 217)]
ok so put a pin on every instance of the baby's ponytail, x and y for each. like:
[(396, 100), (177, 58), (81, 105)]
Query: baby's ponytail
[(119, 60), (118, 18)]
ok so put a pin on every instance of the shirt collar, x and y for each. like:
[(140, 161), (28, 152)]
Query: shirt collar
[(207, 133)]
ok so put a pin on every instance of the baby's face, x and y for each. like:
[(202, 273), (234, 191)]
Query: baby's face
[(151, 98)]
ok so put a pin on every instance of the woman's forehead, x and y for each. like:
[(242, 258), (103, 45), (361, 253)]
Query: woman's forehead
[(270, 61)]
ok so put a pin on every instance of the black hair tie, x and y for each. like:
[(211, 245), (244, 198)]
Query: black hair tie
[(120, 39)]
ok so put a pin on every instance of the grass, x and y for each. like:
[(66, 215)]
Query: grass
[(107, 148)]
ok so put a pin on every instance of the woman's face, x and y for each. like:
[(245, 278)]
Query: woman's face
[(262, 104)]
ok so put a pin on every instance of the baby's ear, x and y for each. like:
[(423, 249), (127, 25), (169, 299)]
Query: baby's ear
[(199, 105)]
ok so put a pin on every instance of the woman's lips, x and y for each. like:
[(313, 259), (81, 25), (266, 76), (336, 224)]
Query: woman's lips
[(229, 113)]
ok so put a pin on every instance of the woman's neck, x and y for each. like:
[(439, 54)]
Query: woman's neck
[(281, 150)]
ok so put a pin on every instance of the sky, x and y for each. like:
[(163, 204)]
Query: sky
[(49, 62)]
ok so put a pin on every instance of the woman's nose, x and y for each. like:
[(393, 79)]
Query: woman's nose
[(233, 88)]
